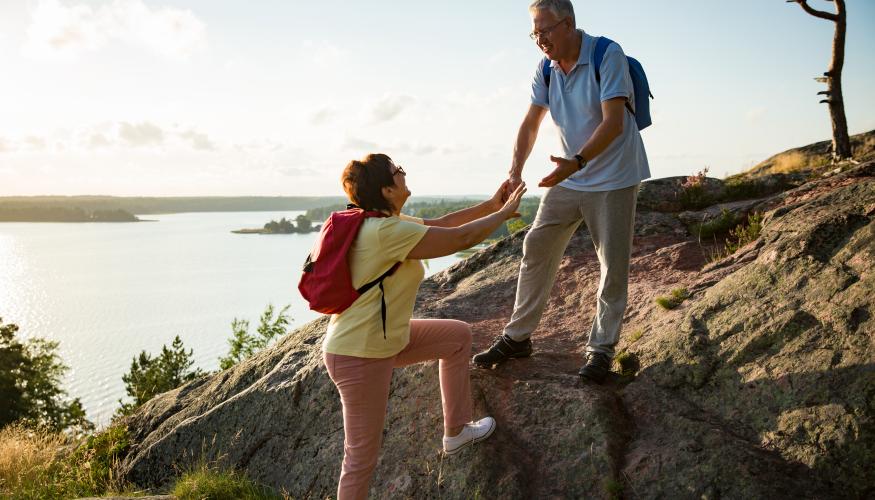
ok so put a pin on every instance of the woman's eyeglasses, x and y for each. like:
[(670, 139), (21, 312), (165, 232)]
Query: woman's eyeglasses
[(399, 170)]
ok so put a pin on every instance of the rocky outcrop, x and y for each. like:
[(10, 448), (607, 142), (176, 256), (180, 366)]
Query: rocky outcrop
[(761, 384)]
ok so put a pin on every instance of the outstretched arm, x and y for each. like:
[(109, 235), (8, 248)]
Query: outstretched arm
[(611, 127), (477, 211), (441, 241), (525, 141)]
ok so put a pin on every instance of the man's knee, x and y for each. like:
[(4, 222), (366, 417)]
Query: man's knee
[(534, 241)]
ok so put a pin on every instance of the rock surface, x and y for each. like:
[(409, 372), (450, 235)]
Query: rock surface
[(761, 384)]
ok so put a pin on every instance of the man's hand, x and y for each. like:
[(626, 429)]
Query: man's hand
[(500, 196), (513, 182), (564, 168)]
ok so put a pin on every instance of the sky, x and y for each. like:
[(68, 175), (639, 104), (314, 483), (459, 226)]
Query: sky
[(274, 97)]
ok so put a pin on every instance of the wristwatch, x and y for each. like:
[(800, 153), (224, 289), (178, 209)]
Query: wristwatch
[(581, 162)]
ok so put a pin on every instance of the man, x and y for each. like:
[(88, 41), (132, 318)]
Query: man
[(595, 182)]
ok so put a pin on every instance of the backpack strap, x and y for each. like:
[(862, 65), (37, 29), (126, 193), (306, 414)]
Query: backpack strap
[(545, 70), (598, 54), (379, 281)]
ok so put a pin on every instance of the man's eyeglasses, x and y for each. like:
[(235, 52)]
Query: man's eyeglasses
[(399, 170), (546, 31)]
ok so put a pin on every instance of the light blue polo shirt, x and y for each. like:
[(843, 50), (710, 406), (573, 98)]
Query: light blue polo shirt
[(575, 105)]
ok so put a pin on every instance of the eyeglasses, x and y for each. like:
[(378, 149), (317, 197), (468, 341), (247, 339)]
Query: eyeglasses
[(399, 170), (546, 31)]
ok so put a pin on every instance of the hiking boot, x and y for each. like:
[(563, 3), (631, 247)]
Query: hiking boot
[(503, 349), (596, 367), (473, 432)]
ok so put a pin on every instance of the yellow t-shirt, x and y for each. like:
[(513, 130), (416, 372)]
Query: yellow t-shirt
[(358, 331)]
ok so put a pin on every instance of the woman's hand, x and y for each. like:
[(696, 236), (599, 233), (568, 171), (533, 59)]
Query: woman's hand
[(500, 196), (509, 210)]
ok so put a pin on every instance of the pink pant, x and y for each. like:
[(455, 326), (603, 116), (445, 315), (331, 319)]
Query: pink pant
[(363, 384)]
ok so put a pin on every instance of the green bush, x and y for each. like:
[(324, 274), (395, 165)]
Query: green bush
[(150, 376), (515, 225), (740, 236), (744, 234), (31, 381), (719, 225), (242, 344)]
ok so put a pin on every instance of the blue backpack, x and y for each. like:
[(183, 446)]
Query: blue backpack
[(639, 82)]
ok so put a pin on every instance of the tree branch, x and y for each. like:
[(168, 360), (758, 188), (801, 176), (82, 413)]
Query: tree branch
[(814, 12)]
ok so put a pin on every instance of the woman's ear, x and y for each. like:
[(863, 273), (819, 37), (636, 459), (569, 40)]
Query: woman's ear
[(387, 191)]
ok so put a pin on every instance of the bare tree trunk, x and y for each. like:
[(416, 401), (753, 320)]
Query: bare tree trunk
[(841, 142)]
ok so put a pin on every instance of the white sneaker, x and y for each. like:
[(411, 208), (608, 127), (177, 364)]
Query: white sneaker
[(473, 432)]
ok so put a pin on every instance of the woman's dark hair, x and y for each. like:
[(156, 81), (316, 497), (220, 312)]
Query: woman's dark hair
[(364, 180)]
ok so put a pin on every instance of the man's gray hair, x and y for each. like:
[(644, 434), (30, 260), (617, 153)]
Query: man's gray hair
[(559, 8)]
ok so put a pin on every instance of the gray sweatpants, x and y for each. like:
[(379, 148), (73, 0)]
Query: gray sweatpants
[(610, 218)]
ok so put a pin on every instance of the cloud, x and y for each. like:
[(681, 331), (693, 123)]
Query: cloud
[(66, 30), (29, 143), (323, 116), (98, 140), (35, 143), (198, 140), (360, 145), (390, 106), (143, 134)]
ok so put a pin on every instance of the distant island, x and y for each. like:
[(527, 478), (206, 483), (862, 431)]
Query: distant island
[(142, 205), (64, 214), (302, 225)]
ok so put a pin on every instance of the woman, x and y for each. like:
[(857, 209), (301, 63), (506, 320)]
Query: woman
[(360, 354)]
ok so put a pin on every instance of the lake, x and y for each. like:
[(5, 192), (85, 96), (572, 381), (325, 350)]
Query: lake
[(107, 291)]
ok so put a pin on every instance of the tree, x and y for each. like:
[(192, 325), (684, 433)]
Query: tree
[(243, 344), (150, 376), (515, 225), (31, 375), (841, 142), (303, 224)]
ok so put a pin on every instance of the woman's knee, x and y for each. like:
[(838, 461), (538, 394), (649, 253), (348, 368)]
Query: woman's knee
[(461, 332)]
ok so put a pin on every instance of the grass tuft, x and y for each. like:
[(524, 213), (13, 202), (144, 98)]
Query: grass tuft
[(672, 301), (205, 481), (740, 236), (636, 336), (628, 363), (38, 463), (613, 488), (719, 225)]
